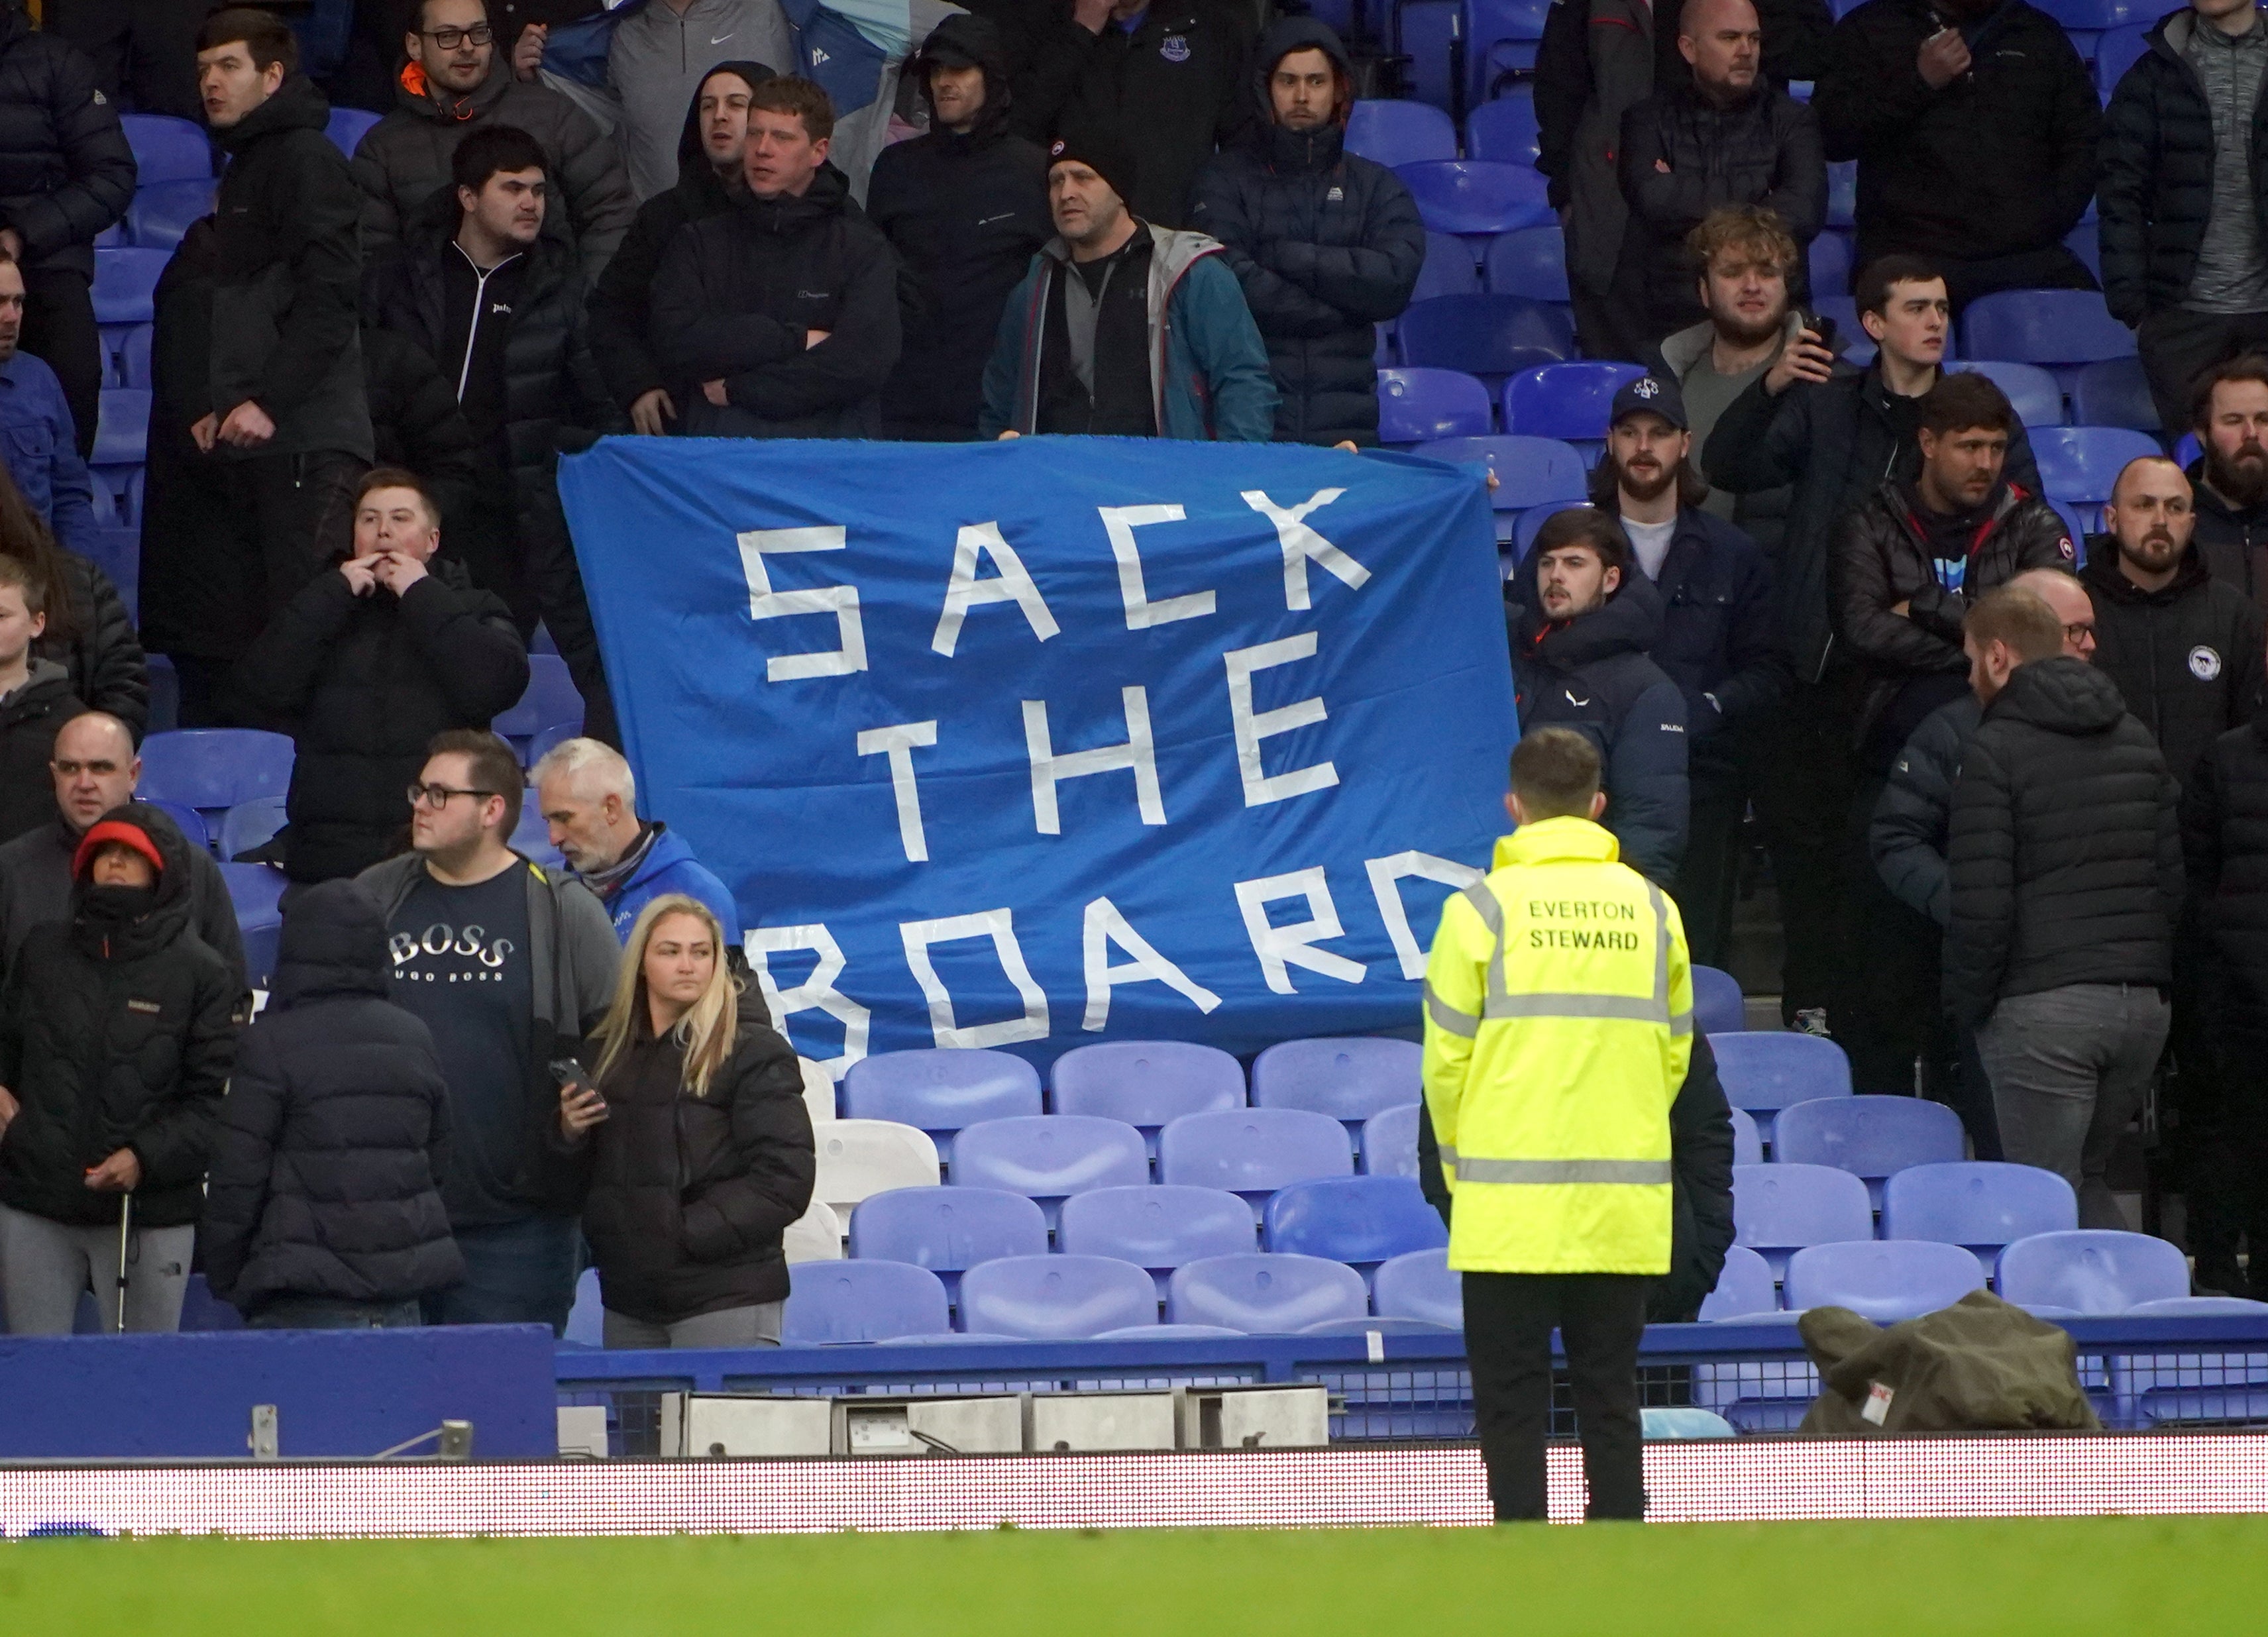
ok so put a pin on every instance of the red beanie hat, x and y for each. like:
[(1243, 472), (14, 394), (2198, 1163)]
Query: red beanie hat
[(123, 834)]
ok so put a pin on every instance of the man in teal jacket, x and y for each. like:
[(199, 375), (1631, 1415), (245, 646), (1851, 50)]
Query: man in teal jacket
[(1123, 329)]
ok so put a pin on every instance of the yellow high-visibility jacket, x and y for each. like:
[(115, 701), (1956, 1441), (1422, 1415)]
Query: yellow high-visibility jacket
[(1558, 1026)]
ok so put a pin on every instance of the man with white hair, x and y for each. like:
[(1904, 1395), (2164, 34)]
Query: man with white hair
[(588, 797)]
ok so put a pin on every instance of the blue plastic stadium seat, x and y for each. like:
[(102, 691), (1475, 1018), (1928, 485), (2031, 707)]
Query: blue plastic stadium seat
[(1398, 131), (347, 128), (1145, 1083), (124, 280), (1056, 1298), (1503, 36), (2114, 392), (1868, 1137), (1743, 1286), (1166, 1332), (947, 1230), (2116, 50), (1505, 129), (1422, 31), (1531, 524), (134, 355), (1486, 336), (1778, 1209), (1390, 1143), (1349, 1077), (543, 744), (1253, 1151), (2080, 464), (2035, 393), (2043, 326), (1449, 268), (1048, 1158), (940, 1092), (1841, 194), (163, 212), (1977, 1204), (121, 430), (549, 699), (1567, 400), (186, 819), (1472, 197), (117, 549), (254, 889), (1884, 1280), (1748, 1143), (1829, 261), (1765, 1070), (1719, 1006), (1528, 261), (2092, 1270), (1530, 471), (836, 1301), (1418, 404), (1418, 1284), (1155, 1228), (249, 825), (2085, 241), (531, 838), (1262, 1293), (168, 150), (2183, 1307), (1360, 1221), (214, 768)]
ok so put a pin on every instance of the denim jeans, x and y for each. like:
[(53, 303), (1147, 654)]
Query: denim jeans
[(519, 1272), (291, 1312), (2070, 1068)]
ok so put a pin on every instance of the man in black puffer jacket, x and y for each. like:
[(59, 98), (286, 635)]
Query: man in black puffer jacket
[(1327, 244), (2182, 218), (66, 174), (323, 1204), (966, 208), (2065, 863), (416, 424), (367, 665), (709, 156)]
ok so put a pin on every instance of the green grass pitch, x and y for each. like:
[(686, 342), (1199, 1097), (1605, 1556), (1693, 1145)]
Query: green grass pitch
[(2137, 1577)]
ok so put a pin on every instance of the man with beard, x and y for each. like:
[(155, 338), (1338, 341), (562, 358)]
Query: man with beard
[(2230, 417), (1718, 642)]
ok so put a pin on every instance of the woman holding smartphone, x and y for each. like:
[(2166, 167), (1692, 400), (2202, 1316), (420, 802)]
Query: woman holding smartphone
[(698, 1144)]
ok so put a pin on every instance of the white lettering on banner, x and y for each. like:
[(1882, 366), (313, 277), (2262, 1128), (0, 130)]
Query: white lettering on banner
[(1048, 768), (1260, 789), (1301, 542), (999, 925), (816, 992), (764, 603), (1120, 522), (964, 591), (1386, 873), (897, 743), (1279, 947), (1105, 926)]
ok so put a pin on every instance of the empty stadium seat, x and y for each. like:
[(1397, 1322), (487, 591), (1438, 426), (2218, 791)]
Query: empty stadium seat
[(2092, 1270), (250, 825), (1868, 1137), (214, 768), (1980, 1205), (1056, 1298), (1503, 36), (168, 150), (1145, 1083), (1529, 472), (1419, 1284), (947, 1230), (1349, 1077), (860, 1158), (163, 212), (586, 1321), (1448, 269), (1473, 197), (838, 1302), (1264, 1293), (1504, 129), (1157, 1228), (1743, 1286), (121, 428), (1398, 131), (2035, 394), (1390, 1143), (1528, 261), (134, 360), (1568, 401), (1360, 1221), (1253, 1151), (2059, 329), (1486, 336), (186, 819), (2085, 241), (254, 889), (548, 700), (1422, 31), (1884, 1280), (1416, 404), (2080, 464), (531, 838), (1046, 1157), (347, 128), (940, 1091), (1719, 1006), (1765, 1070), (1828, 261), (1780, 1208), (1748, 1143), (1841, 194), (543, 744), (124, 280), (2114, 392), (2085, 21), (1166, 1332), (1531, 524), (818, 1092), (814, 1237), (2116, 50)]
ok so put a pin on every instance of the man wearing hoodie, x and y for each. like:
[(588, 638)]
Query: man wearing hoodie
[(35, 701), (588, 797), (778, 317), (711, 152), (1326, 243), (455, 83), (2065, 865), (966, 208), (1122, 328), (660, 54)]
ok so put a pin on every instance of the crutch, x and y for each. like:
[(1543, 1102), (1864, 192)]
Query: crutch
[(125, 1242)]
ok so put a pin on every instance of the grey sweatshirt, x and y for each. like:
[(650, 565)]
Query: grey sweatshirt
[(657, 63)]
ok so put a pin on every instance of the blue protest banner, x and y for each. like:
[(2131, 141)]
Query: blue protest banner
[(1036, 744)]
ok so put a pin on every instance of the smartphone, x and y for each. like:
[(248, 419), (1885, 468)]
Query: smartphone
[(1823, 326), (568, 1073)]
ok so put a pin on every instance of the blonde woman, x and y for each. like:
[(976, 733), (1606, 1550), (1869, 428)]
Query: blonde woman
[(698, 1146)]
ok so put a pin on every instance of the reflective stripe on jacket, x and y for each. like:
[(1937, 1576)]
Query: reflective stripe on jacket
[(1558, 1026)]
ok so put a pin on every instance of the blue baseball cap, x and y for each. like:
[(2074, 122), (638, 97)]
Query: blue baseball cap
[(1652, 394)]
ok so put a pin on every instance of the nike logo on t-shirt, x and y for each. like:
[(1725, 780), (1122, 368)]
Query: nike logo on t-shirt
[(720, 39)]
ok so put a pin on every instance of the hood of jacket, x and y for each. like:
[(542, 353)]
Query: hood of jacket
[(1628, 622), (2059, 695), (47, 678), (170, 906), (2170, 36), (1898, 496), (2207, 500), (696, 178), (1317, 149), (1684, 348), (298, 104), (964, 37), (428, 101), (2101, 576), (828, 197), (333, 942)]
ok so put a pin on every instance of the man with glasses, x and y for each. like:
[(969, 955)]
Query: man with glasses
[(455, 83), (510, 967), (95, 769)]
